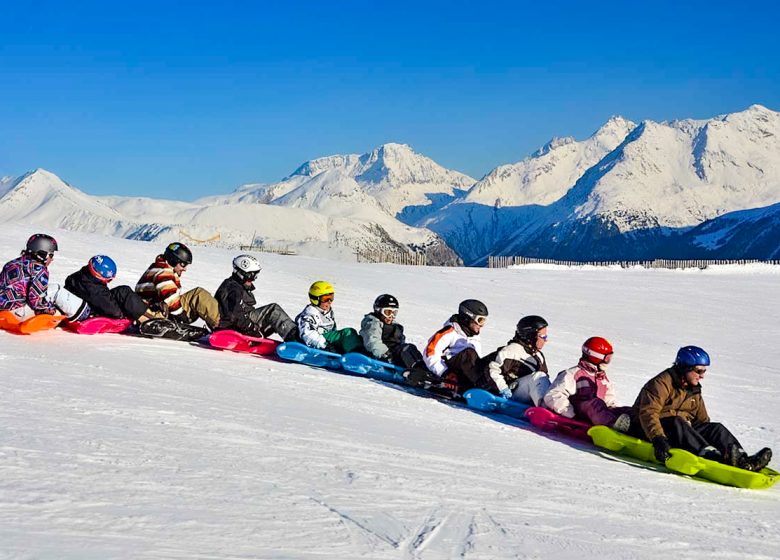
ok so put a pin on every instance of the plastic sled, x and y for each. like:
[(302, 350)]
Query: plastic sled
[(682, 461), (545, 419), (43, 322), (479, 399), (237, 342), (98, 325), (375, 369), (297, 352)]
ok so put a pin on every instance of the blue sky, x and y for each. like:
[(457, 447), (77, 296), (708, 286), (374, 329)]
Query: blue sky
[(181, 100)]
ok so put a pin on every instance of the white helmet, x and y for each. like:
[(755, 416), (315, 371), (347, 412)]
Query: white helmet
[(246, 267)]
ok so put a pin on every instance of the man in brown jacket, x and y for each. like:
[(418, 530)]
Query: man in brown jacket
[(672, 414)]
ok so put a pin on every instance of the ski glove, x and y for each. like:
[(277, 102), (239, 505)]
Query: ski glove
[(506, 392), (661, 449)]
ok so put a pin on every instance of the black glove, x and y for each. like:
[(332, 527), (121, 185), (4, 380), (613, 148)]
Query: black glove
[(661, 449)]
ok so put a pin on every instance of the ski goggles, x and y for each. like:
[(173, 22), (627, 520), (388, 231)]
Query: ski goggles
[(326, 298), (389, 312), (478, 319)]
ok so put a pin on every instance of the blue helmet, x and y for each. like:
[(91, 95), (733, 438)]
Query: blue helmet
[(692, 356), (103, 268)]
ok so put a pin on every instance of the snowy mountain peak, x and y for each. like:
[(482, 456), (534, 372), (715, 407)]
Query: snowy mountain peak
[(554, 143), (318, 165)]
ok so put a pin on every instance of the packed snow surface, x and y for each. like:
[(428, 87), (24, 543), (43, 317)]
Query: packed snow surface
[(121, 447)]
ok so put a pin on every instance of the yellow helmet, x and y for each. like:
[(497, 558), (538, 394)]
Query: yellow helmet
[(319, 289)]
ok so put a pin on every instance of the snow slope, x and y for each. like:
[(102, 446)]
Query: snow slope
[(119, 447)]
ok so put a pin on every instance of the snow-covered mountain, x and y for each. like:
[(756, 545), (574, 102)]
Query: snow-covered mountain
[(746, 234), (392, 176), (635, 201), (626, 192), (513, 195), (328, 213)]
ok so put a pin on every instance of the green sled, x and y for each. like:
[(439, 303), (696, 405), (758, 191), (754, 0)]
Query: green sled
[(682, 461)]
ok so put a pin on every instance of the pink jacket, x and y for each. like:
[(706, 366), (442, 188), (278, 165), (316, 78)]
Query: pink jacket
[(582, 382)]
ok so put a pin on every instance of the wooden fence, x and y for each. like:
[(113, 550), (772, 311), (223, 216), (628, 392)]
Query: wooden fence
[(504, 262), (416, 259), (268, 249)]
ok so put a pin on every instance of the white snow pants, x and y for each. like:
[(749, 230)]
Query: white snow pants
[(532, 388), (73, 307)]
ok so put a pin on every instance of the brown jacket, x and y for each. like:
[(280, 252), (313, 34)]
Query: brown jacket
[(664, 396)]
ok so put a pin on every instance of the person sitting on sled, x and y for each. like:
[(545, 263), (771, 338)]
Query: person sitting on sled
[(237, 309), (317, 323), (160, 287), (24, 281), (518, 371), (86, 294), (585, 392), (384, 339), (452, 353), (672, 414)]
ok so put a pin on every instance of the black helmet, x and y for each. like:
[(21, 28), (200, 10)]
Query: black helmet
[(385, 301), (40, 246), (473, 310), (176, 253), (528, 326)]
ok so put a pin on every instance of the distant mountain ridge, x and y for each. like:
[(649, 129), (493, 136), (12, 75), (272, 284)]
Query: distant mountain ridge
[(678, 189), (636, 201)]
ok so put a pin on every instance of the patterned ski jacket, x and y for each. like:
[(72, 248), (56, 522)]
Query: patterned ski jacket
[(379, 338), (160, 284), (663, 396), (511, 362), (447, 342), (581, 383), (24, 281), (312, 323)]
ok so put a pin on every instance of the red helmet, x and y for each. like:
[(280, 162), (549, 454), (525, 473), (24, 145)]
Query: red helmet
[(597, 350)]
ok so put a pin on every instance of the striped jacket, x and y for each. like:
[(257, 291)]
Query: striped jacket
[(25, 281), (582, 382), (447, 342), (160, 284), (511, 362)]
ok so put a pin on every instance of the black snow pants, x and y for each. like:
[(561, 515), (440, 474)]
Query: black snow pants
[(407, 356), (129, 302), (270, 319), (710, 439)]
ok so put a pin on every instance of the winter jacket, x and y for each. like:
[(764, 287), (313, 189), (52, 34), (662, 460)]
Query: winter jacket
[(312, 323), (24, 281), (663, 396), (380, 338), (511, 362), (579, 384), (236, 302), (96, 293), (447, 342), (160, 284)]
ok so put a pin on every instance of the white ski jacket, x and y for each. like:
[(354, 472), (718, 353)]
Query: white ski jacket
[(447, 342), (312, 323)]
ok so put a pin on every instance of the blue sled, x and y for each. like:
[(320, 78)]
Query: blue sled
[(297, 352), (375, 369), (479, 399)]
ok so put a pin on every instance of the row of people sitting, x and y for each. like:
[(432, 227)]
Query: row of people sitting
[(669, 410)]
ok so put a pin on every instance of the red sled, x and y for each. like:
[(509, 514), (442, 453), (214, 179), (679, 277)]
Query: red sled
[(11, 323), (99, 325), (547, 420), (237, 342)]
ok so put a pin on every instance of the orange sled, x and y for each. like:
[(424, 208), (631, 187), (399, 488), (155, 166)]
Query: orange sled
[(11, 323)]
